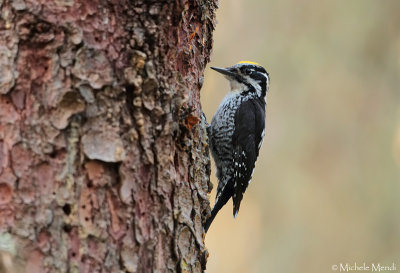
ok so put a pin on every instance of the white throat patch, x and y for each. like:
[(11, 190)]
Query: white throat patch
[(237, 87)]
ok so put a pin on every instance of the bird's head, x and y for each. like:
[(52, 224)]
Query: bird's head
[(246, 77)]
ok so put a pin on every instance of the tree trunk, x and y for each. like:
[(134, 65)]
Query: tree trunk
[(104, 164)]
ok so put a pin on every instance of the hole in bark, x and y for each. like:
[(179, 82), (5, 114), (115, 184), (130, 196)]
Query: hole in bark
[(192, 213), (53, 154), (67, 209), (176, 160), (83, 206), (73, 254), (67, 228), (129, 98), (86, 219)]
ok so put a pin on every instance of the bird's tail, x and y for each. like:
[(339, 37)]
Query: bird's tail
[(220, 203)]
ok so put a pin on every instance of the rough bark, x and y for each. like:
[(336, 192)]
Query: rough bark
[(103, 150)]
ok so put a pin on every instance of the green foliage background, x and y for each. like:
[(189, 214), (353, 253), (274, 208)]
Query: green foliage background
[(326, 189)]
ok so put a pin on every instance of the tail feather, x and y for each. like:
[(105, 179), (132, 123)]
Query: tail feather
[(209, 221), (225, 196), (237, 198)]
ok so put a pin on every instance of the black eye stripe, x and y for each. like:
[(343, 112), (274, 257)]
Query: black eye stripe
[(259, 77), (253, 68), (254, 72)]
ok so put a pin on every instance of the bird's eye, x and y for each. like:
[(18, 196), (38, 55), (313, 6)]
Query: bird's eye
[(247, 71)]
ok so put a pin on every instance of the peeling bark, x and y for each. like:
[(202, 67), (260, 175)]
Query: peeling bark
[(104, 164)]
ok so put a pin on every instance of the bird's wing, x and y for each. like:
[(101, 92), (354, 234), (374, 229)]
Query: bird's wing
[(247, 139)]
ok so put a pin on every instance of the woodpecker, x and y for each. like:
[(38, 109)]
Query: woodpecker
[(237, 131)]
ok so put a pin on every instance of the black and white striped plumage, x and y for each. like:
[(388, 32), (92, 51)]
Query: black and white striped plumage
[(237, 131)]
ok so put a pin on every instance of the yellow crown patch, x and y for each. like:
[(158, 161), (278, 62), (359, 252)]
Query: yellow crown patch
[(248, 62)]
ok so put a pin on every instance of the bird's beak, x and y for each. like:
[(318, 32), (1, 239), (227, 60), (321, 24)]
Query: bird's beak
[(224, 71)]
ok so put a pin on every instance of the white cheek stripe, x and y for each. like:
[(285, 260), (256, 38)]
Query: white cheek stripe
[(266, 76), (255, 84)]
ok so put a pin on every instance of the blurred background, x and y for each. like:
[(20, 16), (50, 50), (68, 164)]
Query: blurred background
[(326, 189)]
